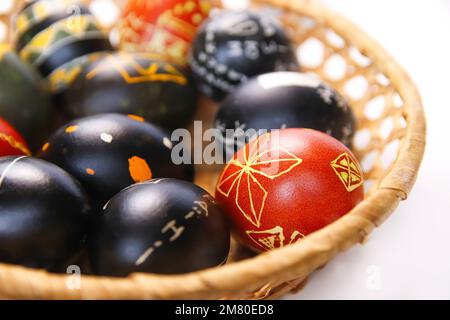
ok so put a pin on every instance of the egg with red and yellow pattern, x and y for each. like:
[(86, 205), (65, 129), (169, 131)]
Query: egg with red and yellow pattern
[(11, 142), (165, 27), (287, 184), (109, 152)]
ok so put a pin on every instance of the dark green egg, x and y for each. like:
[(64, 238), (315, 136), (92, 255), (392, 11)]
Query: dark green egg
[(25, 100)]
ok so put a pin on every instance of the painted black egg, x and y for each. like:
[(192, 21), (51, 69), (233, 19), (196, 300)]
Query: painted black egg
[(133, 83), (109, 152), (283, 100), (43, 212), (25, 100), (233, 46), (163, 226), (50, 35), (39, 15)]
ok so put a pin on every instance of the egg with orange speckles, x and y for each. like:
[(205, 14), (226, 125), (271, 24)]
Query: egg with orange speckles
[(109, 152)]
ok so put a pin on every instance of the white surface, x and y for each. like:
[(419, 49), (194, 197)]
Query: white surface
[(409, 256)]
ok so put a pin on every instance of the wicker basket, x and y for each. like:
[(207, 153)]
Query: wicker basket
[(390, 143)]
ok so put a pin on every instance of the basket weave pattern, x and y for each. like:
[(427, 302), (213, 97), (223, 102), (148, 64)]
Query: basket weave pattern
[(390, 143)]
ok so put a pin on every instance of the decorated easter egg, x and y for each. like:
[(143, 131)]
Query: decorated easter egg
[(11, 142), (51, 35), (109, 152), (25, 101), (61, 79), (287, 184), (162, 27), (233, 46), (39, 15), (163, 226), (43, 214), (283, 100), (132, 83)]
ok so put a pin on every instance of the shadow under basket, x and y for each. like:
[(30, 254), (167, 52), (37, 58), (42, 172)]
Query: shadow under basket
[(390, 144)]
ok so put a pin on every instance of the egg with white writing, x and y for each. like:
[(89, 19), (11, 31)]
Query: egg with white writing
[(233, 46), (109, 152), (135, 83), (283, 100), (164, 226), (43, 214)]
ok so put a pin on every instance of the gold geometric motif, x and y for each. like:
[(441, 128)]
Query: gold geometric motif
[(273, 238), (153, 72), (348, 171), (63, 76), (251, 195)]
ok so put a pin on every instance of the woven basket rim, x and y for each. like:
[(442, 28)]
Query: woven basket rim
[(296, 261)]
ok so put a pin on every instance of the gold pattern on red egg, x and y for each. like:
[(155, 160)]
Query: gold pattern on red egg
[(163, 27), (11, 142), (287, 184)]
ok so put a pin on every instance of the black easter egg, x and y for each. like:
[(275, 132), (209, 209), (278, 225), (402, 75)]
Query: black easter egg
[(43, 212), (163, 226), (283, 100), (25, 100), (133, 83), (109, 152), (233, 46)]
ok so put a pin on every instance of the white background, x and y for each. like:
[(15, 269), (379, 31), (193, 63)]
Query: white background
[(408, 257)]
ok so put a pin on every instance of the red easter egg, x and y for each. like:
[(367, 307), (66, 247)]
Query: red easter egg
[(11, 142), (287, 184), (166, 28)]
